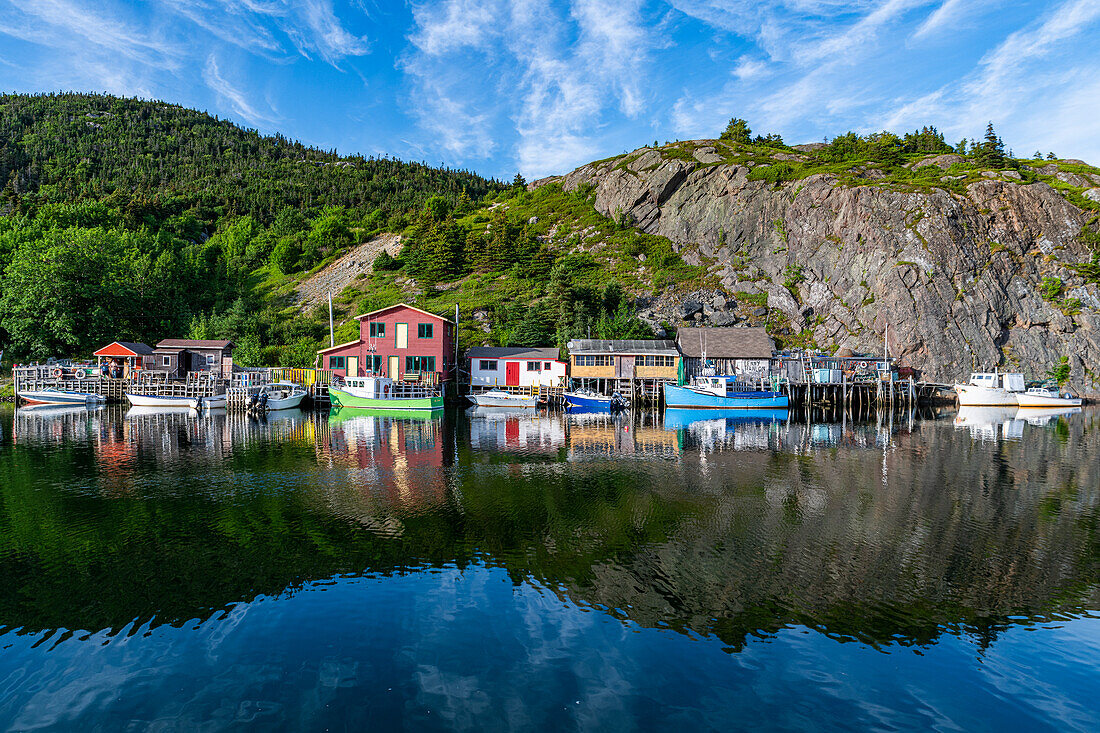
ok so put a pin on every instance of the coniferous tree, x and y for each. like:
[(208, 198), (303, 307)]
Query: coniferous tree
[(737, 131)]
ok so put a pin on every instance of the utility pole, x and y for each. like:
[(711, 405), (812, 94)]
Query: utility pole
[(331, 332)]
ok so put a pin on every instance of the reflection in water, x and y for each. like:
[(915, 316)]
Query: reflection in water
[(723, 527)]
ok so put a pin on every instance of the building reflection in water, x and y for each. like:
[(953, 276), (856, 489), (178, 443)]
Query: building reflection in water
[(393, 457)]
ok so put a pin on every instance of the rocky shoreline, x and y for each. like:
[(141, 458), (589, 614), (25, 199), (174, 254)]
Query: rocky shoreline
[(964, 281)]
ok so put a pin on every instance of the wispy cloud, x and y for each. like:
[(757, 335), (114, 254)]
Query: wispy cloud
[(58, 23), (554, 67), (947, 17), (235, 96)]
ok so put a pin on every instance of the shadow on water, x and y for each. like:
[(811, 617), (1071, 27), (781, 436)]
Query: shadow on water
[(890, 531)]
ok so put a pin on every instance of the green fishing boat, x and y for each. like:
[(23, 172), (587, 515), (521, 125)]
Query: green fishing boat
[(381, 393)]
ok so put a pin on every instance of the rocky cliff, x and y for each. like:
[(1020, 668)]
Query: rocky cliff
[(969, 268)]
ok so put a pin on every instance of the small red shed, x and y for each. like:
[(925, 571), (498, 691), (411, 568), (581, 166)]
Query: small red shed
[(126, 356)]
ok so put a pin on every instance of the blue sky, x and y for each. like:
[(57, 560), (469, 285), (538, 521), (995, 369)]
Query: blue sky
[(542, 86)]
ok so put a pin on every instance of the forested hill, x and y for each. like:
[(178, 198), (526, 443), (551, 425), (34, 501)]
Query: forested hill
[(74, 147)]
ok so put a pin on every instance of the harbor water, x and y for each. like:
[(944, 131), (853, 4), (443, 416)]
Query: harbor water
[(489, 570)]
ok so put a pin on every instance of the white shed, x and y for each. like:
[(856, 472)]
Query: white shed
[(515, 366)]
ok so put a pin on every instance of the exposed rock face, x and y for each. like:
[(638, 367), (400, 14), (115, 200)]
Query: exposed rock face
[(956, 277)]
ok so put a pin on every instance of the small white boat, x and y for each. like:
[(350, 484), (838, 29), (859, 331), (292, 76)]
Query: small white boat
[(152, 400), (990, 389), (1044, 397), (281, 396), (500, 398), (215, 402), (51, 396)]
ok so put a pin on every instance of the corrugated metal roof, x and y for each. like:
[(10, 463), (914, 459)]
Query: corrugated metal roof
[(178, 344), (736, 342), (512, 352), (626, 346)]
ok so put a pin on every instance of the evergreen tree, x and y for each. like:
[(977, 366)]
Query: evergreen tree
[(737, 131)]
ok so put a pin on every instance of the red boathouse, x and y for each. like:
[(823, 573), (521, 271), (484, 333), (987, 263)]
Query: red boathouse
[(396, 342)]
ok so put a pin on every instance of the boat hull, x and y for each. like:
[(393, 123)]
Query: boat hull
[(59, 398), (1031, 400), (683, 397), (588, 402), (340, 398), (488, 399), (217, 402), (150, 400), (287, 403), (973, 396)]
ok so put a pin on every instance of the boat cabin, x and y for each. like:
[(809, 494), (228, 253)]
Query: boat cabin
[(1010, 382)]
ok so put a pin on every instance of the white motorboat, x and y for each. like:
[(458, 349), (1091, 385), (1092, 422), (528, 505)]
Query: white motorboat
[(280, 396), (214, 402), (500, 398), (51, 396), (990, 389), (1045, 397), (153, 400)]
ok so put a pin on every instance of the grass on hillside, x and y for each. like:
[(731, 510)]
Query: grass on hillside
[(598, 251)]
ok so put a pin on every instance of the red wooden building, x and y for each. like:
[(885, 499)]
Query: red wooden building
[(395, 342)]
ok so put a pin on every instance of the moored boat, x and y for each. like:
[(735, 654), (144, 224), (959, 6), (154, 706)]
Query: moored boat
[(51, 396), (154, 400), (279, 396), (587, 400), (722, 393), (382, 393), (1045, 397), (214, 402), (500, 398), (990, 389)]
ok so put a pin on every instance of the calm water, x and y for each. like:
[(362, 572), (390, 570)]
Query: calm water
[(489, 572)]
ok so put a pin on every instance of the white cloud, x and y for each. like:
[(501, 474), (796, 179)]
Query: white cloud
[(947, 17), (69, 21), (554, 69), (237, 100)]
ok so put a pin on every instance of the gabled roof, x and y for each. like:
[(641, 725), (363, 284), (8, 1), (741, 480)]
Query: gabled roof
[(402, 305), (513, 352), (736, 342), (181, 344), (337, 347), (120, 348), (629, 346)]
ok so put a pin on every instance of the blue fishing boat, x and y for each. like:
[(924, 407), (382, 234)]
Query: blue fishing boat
[(681, 418), (586, 400), (722, 393)]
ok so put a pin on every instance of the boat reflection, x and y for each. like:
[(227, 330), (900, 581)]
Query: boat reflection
[(395, 456), (1040, 416), (511, 429), (990, 424)]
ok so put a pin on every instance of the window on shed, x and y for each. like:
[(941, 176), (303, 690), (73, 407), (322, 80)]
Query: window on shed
[(546, 366), (425, 330), (167, 361), (532, 366), (337, 362), (488, 365), (377, 330)]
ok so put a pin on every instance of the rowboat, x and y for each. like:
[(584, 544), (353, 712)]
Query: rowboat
[(154, 400), (722, 393), (214, 402), (500, 398), (51, 396), (382, 393)]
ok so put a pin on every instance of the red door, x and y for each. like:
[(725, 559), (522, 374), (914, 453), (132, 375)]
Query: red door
[(512, 373)]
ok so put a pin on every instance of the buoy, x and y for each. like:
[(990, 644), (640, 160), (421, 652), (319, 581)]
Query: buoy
[(56, 374), (80, 374)]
